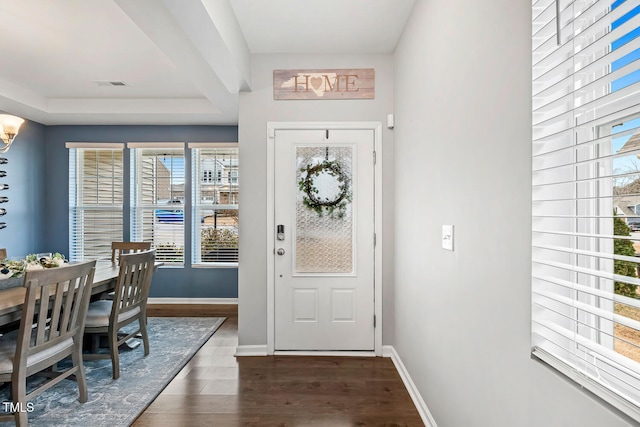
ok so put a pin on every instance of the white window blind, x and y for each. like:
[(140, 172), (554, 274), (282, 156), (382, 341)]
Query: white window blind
[(157, 198), (586, 179), (95, 199), (215, 189)]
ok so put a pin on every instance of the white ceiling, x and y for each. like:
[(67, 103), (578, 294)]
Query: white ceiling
[(182, 61)]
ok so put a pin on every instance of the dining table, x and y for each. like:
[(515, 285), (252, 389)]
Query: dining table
[(12, 292)]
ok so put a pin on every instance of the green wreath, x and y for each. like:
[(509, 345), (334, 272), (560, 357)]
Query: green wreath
[(335, 207)]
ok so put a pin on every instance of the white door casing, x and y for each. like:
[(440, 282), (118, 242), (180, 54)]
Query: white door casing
[(325, 288)]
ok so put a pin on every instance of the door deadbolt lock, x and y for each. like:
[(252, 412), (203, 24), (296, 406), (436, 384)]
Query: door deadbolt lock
[(280, 251)]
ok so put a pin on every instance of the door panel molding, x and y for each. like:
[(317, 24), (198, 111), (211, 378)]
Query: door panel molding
[(272, 128)]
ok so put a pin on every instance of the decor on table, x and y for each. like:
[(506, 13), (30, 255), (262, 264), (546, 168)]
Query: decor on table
[(45, 260), (12, 268), (15, 267), (325, 186)]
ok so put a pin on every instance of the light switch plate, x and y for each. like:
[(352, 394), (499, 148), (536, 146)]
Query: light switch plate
[(447, 237)]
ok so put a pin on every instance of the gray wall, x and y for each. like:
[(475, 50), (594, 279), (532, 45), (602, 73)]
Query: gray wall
[(256, 109), (185, 282), (463, 157), (26, 217)]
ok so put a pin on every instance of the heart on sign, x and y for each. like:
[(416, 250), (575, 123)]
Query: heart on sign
[(316, 82)]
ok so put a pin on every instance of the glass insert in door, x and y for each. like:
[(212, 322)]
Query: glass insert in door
[(324, 210)]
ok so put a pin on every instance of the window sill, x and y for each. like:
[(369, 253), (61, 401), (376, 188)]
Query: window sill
[(588, 383), (216, 265)]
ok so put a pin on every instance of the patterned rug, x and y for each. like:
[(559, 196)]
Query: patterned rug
[(173, 341)]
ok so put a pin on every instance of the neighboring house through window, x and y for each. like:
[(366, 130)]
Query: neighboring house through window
[(215, 213), (157, 198), (156, 202)]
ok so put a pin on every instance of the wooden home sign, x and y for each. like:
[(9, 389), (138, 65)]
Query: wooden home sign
[(357, 83)]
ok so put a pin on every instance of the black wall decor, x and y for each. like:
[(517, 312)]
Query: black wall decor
[(3, 199)]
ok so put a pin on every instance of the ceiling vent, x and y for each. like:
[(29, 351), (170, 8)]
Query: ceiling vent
[(110, 83)]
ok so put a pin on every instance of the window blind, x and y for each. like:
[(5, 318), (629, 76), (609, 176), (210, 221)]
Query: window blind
[(157, 198), (215, 198), (95, 199), (586, 178)]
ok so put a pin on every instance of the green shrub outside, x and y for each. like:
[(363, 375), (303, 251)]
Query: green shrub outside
[(624, 268), (218, 238)]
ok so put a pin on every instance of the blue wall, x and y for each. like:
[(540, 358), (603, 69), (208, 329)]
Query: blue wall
[(185, 282), (26, 217)]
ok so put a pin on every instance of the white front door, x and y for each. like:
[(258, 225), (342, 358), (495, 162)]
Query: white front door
[(324, 223)]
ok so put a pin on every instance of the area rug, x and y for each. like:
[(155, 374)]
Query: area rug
[(112, 403)]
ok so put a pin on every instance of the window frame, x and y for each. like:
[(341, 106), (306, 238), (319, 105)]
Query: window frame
[(197, 205), (77, 243), (576, 103), (138, 207)]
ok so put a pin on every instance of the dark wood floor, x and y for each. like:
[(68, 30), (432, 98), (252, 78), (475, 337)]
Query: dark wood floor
[(217, 389)]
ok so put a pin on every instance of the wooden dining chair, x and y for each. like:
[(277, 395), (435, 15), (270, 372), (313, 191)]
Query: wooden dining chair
[(129, 304), (119, 248), (3, 253), (51, 329)]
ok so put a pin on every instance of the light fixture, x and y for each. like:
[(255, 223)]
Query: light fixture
[(9, 127)]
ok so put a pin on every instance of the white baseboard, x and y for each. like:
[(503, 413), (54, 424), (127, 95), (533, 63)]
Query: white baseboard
[(251, 350), (421, 406), (192, 301), (325, 353)]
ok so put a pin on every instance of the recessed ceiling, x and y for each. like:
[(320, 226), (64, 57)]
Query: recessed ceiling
[(180, 62), (326, 26)]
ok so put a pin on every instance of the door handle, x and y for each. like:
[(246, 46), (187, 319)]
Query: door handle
[(280, 251)]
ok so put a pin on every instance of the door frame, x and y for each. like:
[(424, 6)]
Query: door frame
[(272, 127)]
